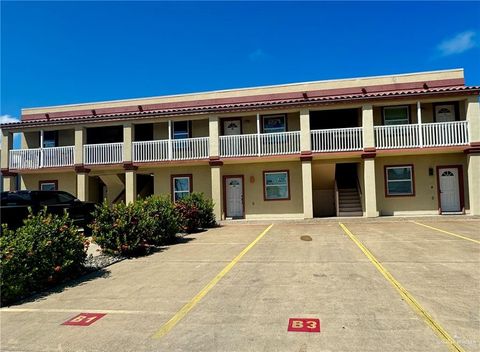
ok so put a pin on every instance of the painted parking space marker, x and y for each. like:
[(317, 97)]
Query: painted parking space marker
[(303, 325), (436, 327), (84, 319), (446, 232), (169, 325)]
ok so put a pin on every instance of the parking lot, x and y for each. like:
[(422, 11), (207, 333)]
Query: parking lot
[(375, 285)]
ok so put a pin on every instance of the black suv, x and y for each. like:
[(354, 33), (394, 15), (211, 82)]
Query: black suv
[(14, 206)]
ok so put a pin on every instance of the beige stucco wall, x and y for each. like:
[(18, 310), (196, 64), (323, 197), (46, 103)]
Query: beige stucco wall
[(296, 87), (66, 138), (323, 185), (201, 181), (425, 200), (67, 181), (255, 205)]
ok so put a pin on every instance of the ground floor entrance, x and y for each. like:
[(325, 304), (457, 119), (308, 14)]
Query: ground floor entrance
[(234, 193)]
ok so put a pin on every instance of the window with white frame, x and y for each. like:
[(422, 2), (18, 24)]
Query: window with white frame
[(276, 185), (181, 129), (181, 186), (399, 180), (48, 185), (396, 115), (274, 123)]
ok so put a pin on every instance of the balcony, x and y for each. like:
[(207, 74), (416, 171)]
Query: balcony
[(103, 153), (177, 149), (265, 144), (424, 135), (38, 158), (337, 140)]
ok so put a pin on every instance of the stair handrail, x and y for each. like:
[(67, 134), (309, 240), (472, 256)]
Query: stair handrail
[(337, 200), (359, 188)]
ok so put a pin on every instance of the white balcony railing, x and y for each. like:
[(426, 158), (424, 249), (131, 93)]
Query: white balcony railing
[(445, 133), (177, 149), (239, 145), (150, 151), (337, 140), (438, 134), (58, 156), (105, 153), (39, 158), (281, 143), (24, 159), (190, 148), (398, 136)]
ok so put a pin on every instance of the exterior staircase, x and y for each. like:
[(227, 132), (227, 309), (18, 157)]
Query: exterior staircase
[(349, 203)]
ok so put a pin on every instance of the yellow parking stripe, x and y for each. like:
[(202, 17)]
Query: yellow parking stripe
[(189, 306), (446, 232), (452, 344)]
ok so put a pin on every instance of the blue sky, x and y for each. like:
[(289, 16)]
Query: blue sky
[(71, 52)]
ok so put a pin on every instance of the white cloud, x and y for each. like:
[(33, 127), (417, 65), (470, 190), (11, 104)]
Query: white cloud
[(7, 119), (457, 44), (257, 55)]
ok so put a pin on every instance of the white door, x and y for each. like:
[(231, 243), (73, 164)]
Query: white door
[(449, 189), (232, 127), (445, 113), (234, 196)]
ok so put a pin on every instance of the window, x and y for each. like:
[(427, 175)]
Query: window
[(181, 129), (50, 139), (396, 115), (181, 186), (64, 197), (399, 180), (276, 185), (48, 185), (274, 123)]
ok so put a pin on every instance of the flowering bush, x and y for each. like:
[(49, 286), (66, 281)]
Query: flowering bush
[(166, 220), (122, 229), (196, 212), (45, 250)]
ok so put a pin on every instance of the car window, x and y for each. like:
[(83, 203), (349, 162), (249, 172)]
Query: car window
[(47, 198), (64, 197), (15, 198)]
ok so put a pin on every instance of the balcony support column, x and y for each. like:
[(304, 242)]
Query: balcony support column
[(130, 186), (213, 131), (82, 185), (216, 178), (472, 108), (128, 130), (7, 145), (305, 138), (170, 132), (369, 186), (259, 152), (419, 121), (41, 147), (80, 141), (367, 128), (307, 187)]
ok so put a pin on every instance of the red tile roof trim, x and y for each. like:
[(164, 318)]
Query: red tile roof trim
[(172, 110)]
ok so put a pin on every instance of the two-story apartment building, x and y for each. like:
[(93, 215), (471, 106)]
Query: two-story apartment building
[(387, 145)]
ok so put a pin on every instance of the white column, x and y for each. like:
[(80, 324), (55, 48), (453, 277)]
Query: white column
[(367, 127), (213, 126), (307, 189), (258, 134), (170, 151), (419, 121), (370, 187), (216, 180), (130, 186), (41, 148), (305, 138)]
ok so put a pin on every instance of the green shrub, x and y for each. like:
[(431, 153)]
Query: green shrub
[(166, 219), (121, 229), (45, 250), (196, 212)]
